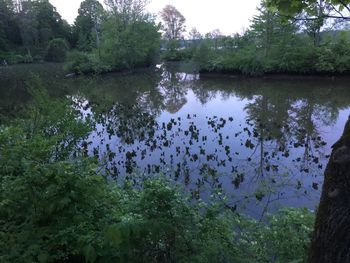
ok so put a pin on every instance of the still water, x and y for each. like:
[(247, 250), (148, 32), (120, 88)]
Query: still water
[(258, 144)]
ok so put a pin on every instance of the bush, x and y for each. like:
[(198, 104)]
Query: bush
[(203, 56), (12, 58), (297, 60), (28, 58), (38, 59), (17, 59), (83, 63), (178, 55), (56, 50), (284, 238), (325, 60)]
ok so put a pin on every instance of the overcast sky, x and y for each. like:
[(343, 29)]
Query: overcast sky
[(230, 16)]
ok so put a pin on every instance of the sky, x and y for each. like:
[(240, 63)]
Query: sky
[(230, 16)]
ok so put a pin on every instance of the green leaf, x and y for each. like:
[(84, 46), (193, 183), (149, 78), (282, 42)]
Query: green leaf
[(90, 254), (43, 258), (113, 235), (296, 261)]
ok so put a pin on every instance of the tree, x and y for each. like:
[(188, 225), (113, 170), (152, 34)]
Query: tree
[(174, 23), (128, 10), (216, 35), (336, 9), (130, 46), (88, 24), (56, 50), (331, 239), (40, 22), (269, 30), (130, 36), (194, 34), (9, 30)]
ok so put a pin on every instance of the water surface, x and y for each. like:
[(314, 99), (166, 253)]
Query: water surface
[(264, 143)]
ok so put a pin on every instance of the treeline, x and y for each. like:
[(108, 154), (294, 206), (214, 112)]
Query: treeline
[(27, 27), (122, 37), (274, 43)]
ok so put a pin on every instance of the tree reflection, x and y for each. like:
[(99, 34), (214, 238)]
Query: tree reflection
[(309, 117), (174, 86), (270, 124), (259, 156)]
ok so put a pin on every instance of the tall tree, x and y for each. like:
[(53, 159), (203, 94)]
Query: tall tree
[(331, 239), (130, 36), (269, 29), (128, 10), (194, 34), (9, 30), (216, 35), (88, 24), (39, 23), (174, 23)]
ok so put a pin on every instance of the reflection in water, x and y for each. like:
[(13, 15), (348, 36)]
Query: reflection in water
[(262, 142)]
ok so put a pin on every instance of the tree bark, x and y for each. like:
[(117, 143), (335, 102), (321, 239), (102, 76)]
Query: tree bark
[(331, 237)]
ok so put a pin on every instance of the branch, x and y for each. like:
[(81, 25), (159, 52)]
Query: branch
[(344, 5), (337, 11), (345, 18)]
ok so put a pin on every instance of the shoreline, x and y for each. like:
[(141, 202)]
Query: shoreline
[(204, 74)]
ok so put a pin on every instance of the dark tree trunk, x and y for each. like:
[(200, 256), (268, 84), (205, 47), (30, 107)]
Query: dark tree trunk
[(331, 238)]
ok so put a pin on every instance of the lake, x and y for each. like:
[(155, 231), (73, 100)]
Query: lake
[(257, 144)]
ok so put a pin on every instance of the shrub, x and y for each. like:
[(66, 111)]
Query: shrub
[(38, 58), (83, 63), (203, 56), (28, 58), (56, 50), (12, 58), (250, 62), (325, 60), (284, 238)]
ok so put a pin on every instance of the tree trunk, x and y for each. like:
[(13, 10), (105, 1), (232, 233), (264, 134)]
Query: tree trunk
[(331, 238)]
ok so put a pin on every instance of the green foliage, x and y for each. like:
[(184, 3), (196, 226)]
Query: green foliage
[(274, 44), (30, 25), (178, 54), (124, 38), (88, 24), (293, 7), (202, 56), (285, 238), (131, 45), (12, 58), (84, 63), (247, 62), (56, 50)]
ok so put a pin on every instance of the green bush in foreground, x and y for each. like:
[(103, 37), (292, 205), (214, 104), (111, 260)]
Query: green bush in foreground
[(55, 207)]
